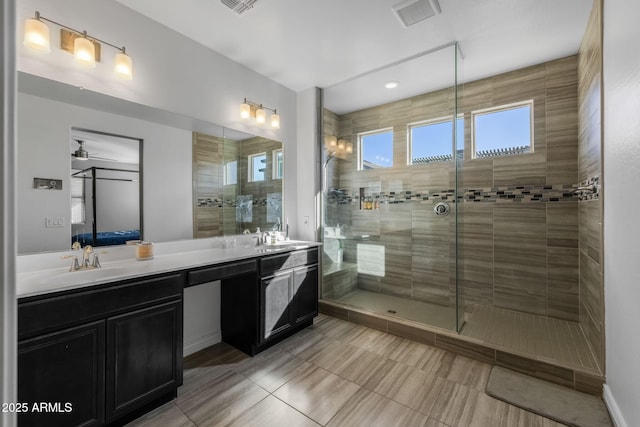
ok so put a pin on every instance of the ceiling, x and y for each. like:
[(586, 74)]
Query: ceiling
[(109, 148), (332, 44)]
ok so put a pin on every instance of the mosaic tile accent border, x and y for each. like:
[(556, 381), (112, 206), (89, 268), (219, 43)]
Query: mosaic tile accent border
[(212, 202), (589, 189), (506, 194)]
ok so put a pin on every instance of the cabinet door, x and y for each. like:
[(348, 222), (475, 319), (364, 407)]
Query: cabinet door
[(276, 297), (61, 377), (144, 352), (305, 293)]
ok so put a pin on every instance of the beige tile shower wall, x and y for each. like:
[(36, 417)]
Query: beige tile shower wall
[(207, 185), (590, 211), (517, 255), (260, 189)]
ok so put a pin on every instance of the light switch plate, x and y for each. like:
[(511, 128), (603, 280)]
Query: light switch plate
[(54, 221)]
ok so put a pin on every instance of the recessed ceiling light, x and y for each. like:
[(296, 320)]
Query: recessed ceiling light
[(391, 84)]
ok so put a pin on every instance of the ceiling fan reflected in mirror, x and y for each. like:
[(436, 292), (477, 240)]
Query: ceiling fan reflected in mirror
[(82, 154)]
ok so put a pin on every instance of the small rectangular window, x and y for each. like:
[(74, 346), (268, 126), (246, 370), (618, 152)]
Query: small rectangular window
[(230, 173), (78, 200), (432, 141), (375, 149), (277, 164), (502, 131), (257, 167)]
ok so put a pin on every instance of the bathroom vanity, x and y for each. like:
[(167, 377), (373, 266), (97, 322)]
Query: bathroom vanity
[(98, 347)]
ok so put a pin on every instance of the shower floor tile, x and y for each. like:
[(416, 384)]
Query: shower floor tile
[(548, 339), (389, 305)]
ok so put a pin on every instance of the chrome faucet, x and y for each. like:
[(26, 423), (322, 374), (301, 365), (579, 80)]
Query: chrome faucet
[(87, 262), (86, 252)]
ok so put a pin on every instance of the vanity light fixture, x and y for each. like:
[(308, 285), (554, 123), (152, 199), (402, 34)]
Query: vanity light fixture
[(250, 109), (338, 147), (85, 48)]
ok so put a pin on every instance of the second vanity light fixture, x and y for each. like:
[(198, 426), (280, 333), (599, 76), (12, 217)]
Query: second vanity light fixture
[(85, 48), (338, 145), (250, 109)]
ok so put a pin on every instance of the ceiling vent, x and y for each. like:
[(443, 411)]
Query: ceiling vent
[(239, 6), (411, 12)]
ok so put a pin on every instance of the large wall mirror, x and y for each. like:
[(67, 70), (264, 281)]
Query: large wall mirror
[(182, 196)]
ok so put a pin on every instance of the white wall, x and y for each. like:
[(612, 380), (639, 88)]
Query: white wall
[(306, 223), (43, 151), (621, 209), (171, 72), (8, 341), (201, 317)]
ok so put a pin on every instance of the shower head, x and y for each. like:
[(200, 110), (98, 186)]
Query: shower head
[(330, 156)]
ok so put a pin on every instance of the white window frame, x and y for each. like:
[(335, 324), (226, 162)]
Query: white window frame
[(226, 175), (250, 167), (426, 123), (82, 199), (275, 175), (497, 109), (361, 135)]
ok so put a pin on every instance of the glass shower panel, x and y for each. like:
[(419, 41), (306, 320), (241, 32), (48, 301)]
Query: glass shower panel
[(459, 138), (389, 217)]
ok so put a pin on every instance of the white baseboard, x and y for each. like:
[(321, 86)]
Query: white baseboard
[(612, 406), (199, 343)]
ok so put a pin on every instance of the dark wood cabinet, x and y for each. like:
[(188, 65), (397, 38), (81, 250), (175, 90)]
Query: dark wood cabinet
[(286, 300), (275, 310), (305, 293), (106, 351), (143, 348), (64, 369)]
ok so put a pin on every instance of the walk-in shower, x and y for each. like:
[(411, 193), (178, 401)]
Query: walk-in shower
[(454, 205)]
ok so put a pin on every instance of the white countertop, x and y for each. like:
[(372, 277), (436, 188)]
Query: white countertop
[(48, 272)]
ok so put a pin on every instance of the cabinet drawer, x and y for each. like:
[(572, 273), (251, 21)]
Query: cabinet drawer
[(220, 272), (56, 312), (284, 261)]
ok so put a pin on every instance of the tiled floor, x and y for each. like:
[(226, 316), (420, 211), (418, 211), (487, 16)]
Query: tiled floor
[(337, 373), (543, 338)]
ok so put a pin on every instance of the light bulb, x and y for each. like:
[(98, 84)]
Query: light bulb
[(333, 141), (245, 110), (275, 121), (349, 147), (341, 144), (261, 116), (36, 35), (84, 52), (123, 66)]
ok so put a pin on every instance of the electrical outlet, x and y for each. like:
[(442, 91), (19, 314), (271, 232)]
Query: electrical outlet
[(305, 220), (54, 222)]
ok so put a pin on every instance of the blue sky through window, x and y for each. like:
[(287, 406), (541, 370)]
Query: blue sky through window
[(377, 149), (434, 139), (503, 129)]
